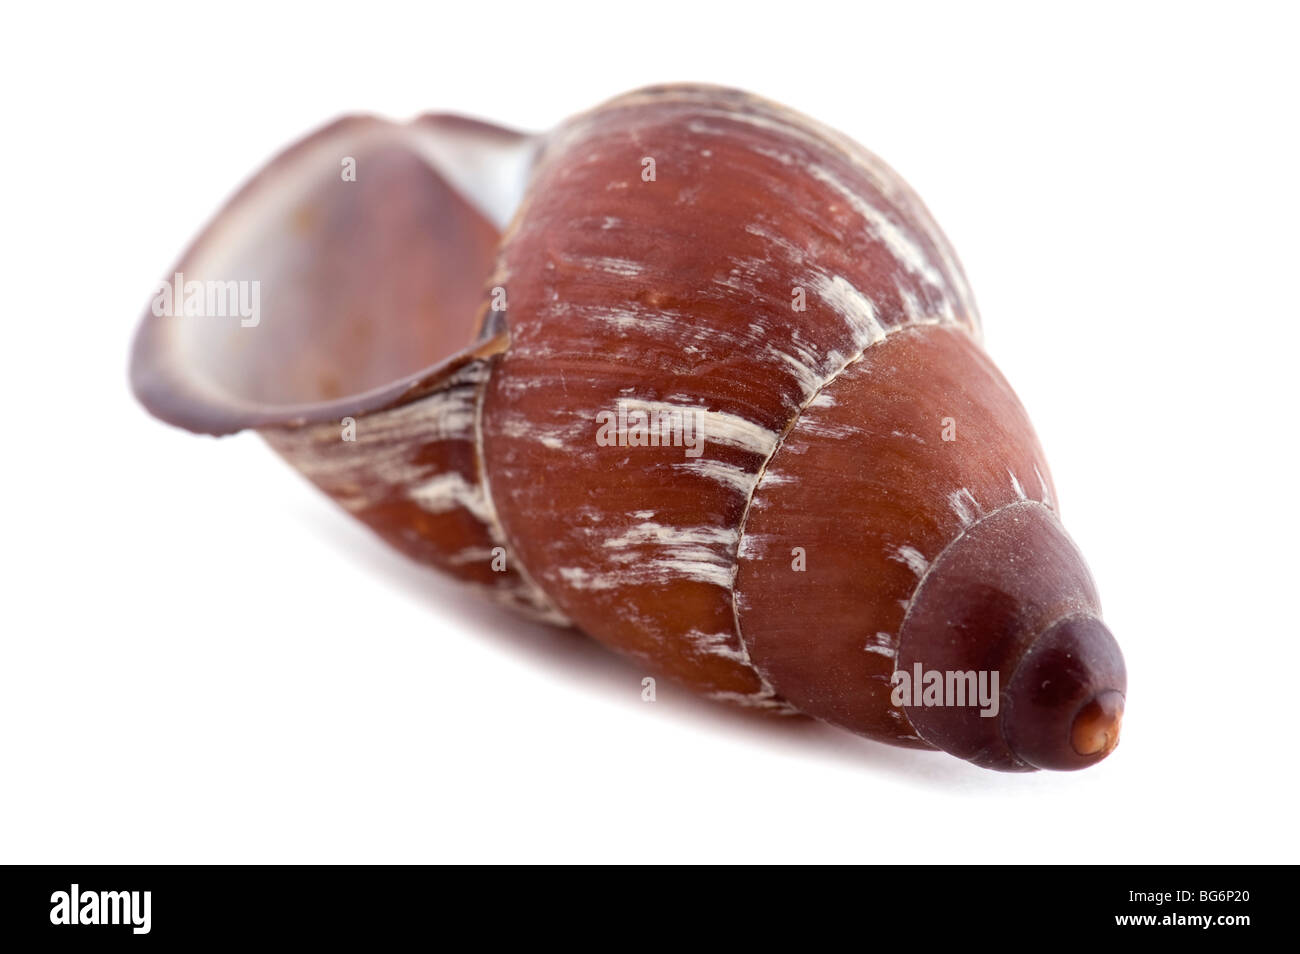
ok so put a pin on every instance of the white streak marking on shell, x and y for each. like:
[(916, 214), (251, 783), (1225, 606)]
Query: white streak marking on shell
[(912, 558), (782, 157), (882, 644), (966, 512), (809, 370), (763, 699), (470, 555), (896, 239), (625, 267), (911, 307), (793, 252), (554, 437), (657, 534), (716, 427), (854, 307), (581, 579), (752, 546), (649, 553), (447, 492), (717, 644), (1047, 494), (740, 479), (816, 428), (719, 572), (1015, 485), (630, 316)]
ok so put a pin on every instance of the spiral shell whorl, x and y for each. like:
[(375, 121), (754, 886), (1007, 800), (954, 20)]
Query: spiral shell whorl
[(750, 206)]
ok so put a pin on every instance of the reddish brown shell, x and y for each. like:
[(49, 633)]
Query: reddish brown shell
[(845, 488)]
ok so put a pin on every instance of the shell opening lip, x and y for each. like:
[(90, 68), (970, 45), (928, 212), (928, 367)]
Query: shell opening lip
[(186, 403), (311, 244)]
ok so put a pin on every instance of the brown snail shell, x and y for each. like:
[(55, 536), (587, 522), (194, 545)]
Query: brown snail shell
[(869, 498)]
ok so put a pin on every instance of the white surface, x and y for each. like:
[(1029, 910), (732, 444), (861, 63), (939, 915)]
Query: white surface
[(204, 660)]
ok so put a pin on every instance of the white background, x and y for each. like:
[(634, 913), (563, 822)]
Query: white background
[(203, 660)]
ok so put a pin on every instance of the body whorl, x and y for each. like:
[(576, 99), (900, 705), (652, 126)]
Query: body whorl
[(750, 204)]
